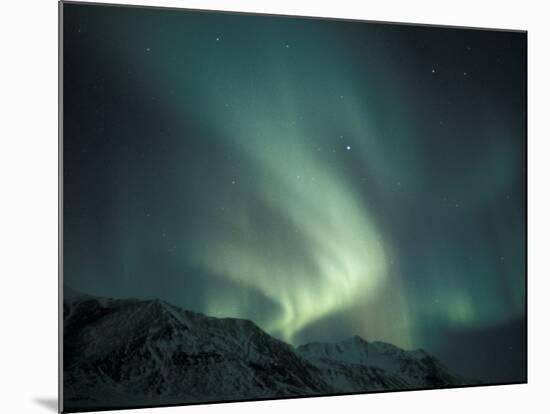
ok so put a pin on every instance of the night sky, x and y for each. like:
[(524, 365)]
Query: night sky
[(322, 178)]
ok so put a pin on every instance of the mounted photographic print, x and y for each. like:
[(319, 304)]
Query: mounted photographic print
[(258, 207)]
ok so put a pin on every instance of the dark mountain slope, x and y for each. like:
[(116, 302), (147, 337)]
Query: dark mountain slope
[(148, 352)]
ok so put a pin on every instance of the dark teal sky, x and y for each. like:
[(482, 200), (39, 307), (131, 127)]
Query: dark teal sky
[(323, 178)]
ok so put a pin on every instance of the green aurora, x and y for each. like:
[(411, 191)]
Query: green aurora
[(321, 178)]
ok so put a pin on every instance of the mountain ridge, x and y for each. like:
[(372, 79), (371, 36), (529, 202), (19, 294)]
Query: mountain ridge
[(132, 352)]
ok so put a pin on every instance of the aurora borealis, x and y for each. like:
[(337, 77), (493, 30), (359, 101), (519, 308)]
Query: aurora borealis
[(322, 178)]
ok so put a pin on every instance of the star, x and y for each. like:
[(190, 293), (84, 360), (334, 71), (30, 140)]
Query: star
[(287, 46), (233, 182), (147, 49), (465, 73), (433, 70), (217, 39), (348, 147)]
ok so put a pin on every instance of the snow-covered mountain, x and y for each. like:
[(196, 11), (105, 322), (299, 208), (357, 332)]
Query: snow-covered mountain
[(127, 352), (355, 365)]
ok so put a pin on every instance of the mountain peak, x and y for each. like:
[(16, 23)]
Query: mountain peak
[(355, 339), (119, 350)]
